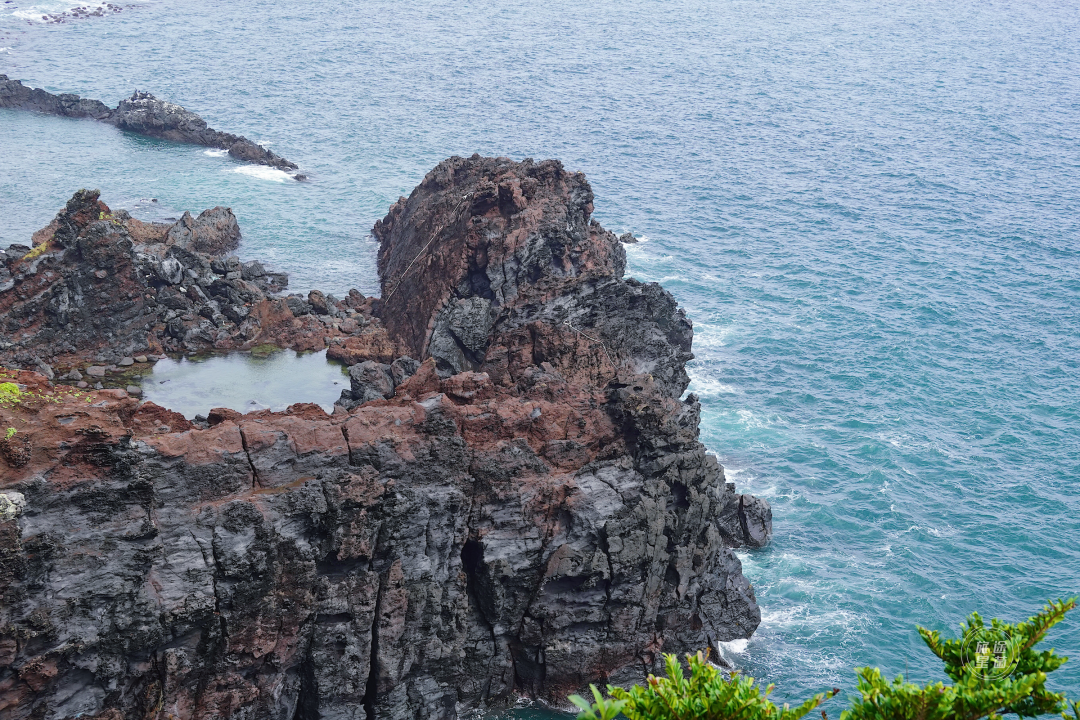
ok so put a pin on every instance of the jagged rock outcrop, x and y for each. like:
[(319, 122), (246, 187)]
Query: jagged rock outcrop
[(99, 286), (143, 114), (495, 518)]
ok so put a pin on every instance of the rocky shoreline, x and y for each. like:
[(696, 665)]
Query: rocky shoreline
[(510, 500), (142, 114)]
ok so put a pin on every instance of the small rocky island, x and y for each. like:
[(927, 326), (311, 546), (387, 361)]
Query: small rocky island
[(510, 500), (142, 114)]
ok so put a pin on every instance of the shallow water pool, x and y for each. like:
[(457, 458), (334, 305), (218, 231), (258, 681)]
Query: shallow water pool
[(245, 382)]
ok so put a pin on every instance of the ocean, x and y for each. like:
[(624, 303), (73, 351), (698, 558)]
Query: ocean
[(870, 211)]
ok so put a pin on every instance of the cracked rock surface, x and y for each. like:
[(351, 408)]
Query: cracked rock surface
[(521, 510)]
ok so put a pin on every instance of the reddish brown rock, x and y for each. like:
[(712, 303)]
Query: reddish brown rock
[(524, 511)]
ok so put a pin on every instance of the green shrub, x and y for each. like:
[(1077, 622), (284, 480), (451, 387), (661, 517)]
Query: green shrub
[(9, 393), (995, 670)]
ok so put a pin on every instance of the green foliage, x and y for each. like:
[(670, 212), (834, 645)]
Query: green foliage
[(10, 433), (600, 710), (10, 393), (995, 670), (706, 695), (40, 249), (102, 215)]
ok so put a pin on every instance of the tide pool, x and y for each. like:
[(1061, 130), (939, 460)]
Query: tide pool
[(245, 382)]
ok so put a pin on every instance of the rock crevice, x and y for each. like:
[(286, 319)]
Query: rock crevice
[(514, 503)]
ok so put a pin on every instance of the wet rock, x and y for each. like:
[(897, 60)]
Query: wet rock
[(134, 390), (627, 239), (14, 94), (126, 362), (276, 282)]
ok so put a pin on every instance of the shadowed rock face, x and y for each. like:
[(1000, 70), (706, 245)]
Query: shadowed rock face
[(522, 510), (143, 114), (497, 266)]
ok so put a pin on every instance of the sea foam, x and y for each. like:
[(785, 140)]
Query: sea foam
[(263, 173)]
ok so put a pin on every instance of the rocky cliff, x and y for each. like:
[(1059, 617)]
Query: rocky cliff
[(142, 114), (521, 509)]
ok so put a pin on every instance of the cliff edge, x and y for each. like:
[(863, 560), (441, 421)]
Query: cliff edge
[(519, 505)]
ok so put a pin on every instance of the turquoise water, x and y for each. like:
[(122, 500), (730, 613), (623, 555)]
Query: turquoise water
[(870, 210)]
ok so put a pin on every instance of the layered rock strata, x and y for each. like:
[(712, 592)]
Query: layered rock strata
[(521, 509), (142, 114)]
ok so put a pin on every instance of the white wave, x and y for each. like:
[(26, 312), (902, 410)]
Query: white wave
[(711, 336), (813, 622), (734, 646), (727, 650), (704, 387), (754, 421), (263, 173), (216, 153)]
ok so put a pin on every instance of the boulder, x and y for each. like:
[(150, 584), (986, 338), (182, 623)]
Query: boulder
[(215, 232), (368, 381)]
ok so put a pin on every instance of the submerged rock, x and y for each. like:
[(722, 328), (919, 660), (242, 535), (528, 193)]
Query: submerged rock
[(538, 519)]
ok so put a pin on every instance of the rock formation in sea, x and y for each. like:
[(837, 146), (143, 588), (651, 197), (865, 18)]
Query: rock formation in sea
[(98, 286), (517, 505), (142, 114)]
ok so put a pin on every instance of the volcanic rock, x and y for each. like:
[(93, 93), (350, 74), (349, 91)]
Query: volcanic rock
[(91, 285), (214, 232), (142, 114), (539, 518)]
